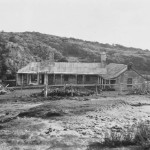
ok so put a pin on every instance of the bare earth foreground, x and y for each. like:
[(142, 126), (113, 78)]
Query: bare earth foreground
[(28, 123)]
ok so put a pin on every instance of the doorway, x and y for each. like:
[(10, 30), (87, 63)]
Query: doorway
[(41, 79)]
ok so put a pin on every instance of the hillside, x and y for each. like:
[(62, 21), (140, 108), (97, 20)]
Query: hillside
[(18, 49)]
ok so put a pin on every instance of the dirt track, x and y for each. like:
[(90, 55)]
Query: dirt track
[(72, 123)]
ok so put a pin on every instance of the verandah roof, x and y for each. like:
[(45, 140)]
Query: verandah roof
[(64, 68)]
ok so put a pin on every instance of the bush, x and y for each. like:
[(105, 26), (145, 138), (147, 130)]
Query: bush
[(66, 91), (142, 136), (117, 139), (140, 89)]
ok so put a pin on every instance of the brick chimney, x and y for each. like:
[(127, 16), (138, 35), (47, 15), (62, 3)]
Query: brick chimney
[(103, 59)]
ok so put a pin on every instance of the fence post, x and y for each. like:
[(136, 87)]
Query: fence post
[(45, 91), (21, 85), (71, 91), (96, 89)]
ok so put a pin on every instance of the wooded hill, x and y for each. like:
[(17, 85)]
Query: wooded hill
[(18, 49)]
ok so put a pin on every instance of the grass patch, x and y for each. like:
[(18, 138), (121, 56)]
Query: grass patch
[(138, 136)]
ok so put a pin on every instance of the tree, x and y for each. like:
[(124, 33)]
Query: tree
[(3, 56), (13, 39)]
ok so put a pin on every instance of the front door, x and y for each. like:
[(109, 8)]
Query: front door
[(41, 78)]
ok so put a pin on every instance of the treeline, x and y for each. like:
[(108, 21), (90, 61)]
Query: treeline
[(18, 49)]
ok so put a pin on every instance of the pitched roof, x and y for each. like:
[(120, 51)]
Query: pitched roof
[(30, 68), (64, 68), (114, 70)]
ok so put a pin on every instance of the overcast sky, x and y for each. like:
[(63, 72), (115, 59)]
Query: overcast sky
[(125, 22)]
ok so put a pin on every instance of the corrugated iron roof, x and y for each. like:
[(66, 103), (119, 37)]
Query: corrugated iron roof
[(64, 68), (30, 68), (114, 70)]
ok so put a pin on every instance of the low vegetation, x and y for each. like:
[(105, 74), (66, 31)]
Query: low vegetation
[(73, 123), (66, 91), (140, 90), (137, 136)]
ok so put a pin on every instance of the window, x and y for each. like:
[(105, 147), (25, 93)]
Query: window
[(112, 81), (33, 78), (129, 82), (104, 81), (87, 78), (66, 78), (107, 81)]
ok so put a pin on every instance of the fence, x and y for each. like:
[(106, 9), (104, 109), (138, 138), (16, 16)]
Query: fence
[(10, 83), (140, 88), (97, 88)]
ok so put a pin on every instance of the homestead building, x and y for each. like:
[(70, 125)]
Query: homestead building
[(79, 74)]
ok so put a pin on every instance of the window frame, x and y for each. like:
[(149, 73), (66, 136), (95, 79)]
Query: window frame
[(87, 78), (129, 82), (33, 78), (66, 78)]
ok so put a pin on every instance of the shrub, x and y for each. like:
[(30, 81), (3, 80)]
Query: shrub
[(117, 139), (142, 136), (140, 89), (134, 136)]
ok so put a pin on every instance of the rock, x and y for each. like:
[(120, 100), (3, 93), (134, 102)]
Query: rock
[(84, 133), (102, 119), (134, 119), (53, 114), (7, 113), (116, 128), (86, 99)]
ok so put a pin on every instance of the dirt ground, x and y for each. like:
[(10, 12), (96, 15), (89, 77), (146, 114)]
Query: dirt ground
[(72, 123)]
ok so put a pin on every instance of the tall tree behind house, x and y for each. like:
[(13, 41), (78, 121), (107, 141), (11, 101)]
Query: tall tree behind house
[(3, 55)]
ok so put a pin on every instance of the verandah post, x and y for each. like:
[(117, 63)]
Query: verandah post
[(46, 85), (38, 78), (83, 79), (102, 84), (76, 78), (98, 84), (61, 79), (54, 79), (21, 83)]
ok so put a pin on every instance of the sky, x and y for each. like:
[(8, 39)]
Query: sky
[(125, 22)]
